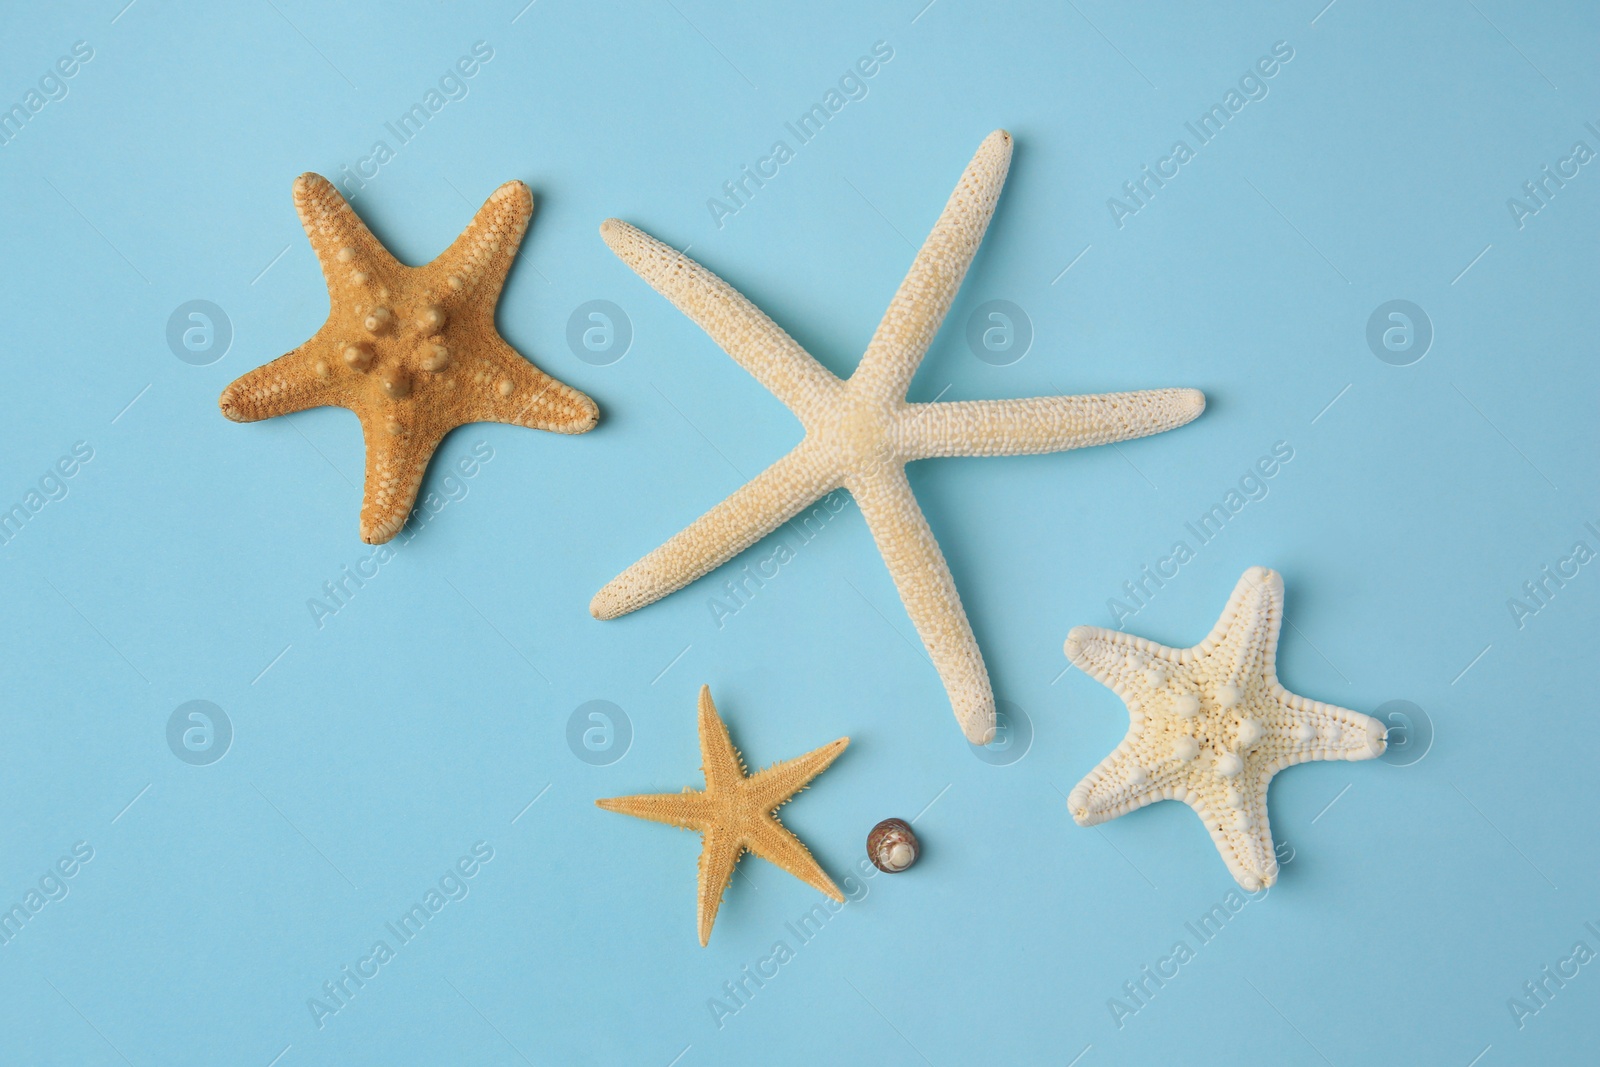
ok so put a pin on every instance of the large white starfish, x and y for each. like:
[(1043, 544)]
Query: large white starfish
[(1210, 726), (860, 433)]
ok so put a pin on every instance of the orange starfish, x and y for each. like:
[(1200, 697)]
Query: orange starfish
[(413, 351), (735, 813)]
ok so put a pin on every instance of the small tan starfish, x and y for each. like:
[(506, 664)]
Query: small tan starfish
[(736, 812), (1210, 726), (860, 433), (413, 351)]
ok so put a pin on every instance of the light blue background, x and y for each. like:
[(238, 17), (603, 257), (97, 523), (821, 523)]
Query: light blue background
[(370, 754)]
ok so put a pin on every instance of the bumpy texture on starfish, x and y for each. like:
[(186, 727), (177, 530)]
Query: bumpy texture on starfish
[(735, 813), (1210, 726), (413, 351), (860, 433)]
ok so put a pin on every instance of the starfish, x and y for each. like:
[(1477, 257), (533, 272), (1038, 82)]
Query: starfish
[(735, 813), (413, 351), (1210, 726), (861, 432)]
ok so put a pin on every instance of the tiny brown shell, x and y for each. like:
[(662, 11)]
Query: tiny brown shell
[(892, 846)]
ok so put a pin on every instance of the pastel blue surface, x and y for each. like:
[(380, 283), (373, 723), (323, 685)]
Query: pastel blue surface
[(374, 747)]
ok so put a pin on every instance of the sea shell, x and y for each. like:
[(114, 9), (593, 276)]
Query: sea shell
[(892, 846)]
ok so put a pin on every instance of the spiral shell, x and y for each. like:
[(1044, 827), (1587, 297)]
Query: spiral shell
[(892, 846)]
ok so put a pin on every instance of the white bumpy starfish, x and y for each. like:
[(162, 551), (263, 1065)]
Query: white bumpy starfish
[(1210, 726), (861, 432)]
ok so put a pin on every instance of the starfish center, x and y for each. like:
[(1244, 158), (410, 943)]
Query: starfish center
[(1218, 719), (864, 434), (400, 341)]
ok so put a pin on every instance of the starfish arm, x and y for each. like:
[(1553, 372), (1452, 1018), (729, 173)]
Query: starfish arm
[(1117, 660), (333, 226), (1320, 732), (685, 810), (719, 854), (1042, 424), (1243, 835), (774, 786), (1133, 776), (754, 510), (396, 463), (769, 840), (740, 328), (1120, 784), (1245, 638), (929, 288), (480, 258), (1110, 789), (929, 594), (519, 393), (720, 762), (287, 384)]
